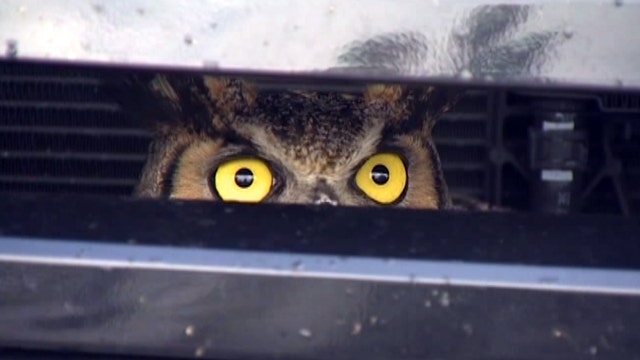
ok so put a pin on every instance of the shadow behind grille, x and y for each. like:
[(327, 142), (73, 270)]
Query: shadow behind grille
[(60, 133)]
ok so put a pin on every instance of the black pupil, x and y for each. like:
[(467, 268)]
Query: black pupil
[(380, 174), (244, 178)]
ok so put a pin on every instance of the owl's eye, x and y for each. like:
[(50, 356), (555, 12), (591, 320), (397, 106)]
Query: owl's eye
[(246, 180), (383, 178)]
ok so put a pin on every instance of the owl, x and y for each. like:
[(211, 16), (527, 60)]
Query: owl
[(242, 140)]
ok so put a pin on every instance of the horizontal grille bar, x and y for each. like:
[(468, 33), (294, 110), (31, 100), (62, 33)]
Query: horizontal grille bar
[(38, 104), (50, 180), (57, 167), (76, 130), (459, 142), (50, 79), (455, 116), (465, 178), (83, 143), (30, 155), (470, 166)]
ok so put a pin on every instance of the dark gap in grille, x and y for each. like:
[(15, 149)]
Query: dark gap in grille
[(474, 102), (115, 187), (50, 140), (461, 139), (471, 155), (93, 168), (61, 117), (45, 71), (465, 179), (620, 102), (29, 89), (455, 130), (515, 193), (61, 132)]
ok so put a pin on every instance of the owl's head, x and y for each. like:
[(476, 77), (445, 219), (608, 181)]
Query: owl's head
[(231, 140)]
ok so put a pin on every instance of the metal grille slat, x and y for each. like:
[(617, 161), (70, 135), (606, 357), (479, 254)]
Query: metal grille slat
[(60, 132)]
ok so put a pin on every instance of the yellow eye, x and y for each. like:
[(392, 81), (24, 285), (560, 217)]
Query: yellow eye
[(383, 178), (243, 180)]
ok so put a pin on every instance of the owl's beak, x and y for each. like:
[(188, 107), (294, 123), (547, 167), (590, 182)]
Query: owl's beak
[(323, 194), (322, 198)]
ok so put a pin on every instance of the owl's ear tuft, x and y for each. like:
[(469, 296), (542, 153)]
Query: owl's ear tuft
[(390, 94), (230, 95), (160, 102), (160, 86), (433, 102)]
